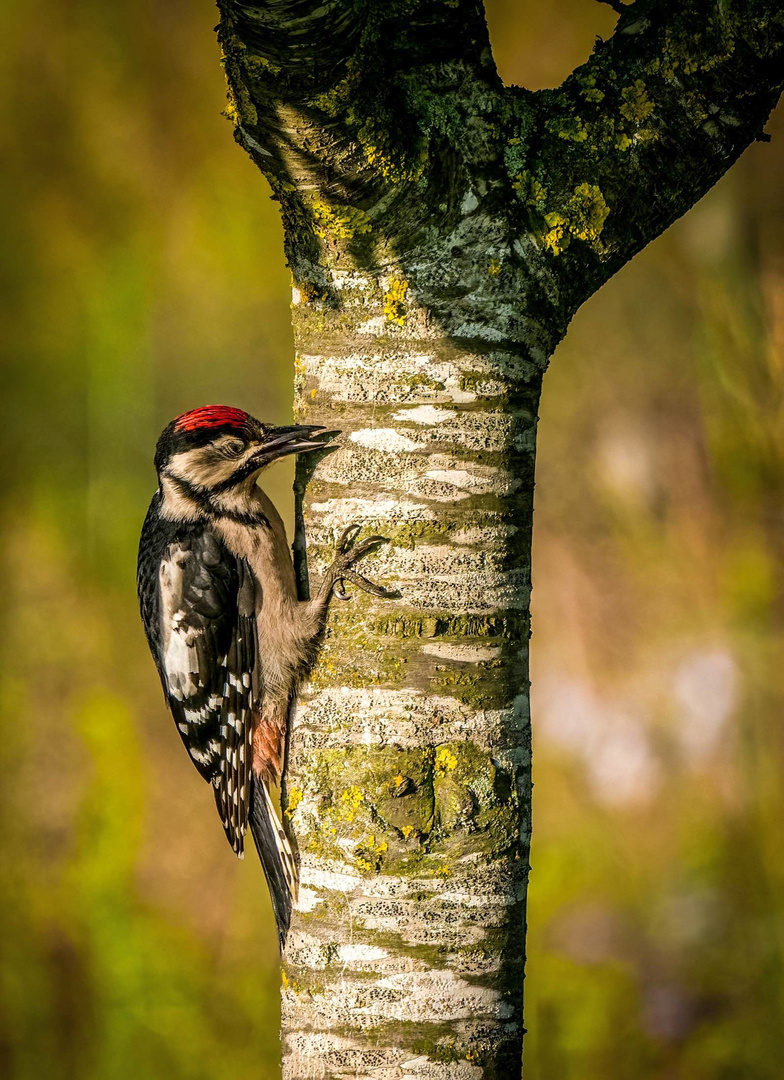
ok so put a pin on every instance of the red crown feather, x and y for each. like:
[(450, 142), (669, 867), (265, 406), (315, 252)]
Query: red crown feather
[(211, 416)]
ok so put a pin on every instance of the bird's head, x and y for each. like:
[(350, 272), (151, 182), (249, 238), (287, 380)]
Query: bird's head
[(216, 448)]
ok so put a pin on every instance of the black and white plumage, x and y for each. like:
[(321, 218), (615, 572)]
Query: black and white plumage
[(229, 636), (199, 602)]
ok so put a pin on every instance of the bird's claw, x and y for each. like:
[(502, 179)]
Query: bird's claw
[(346, 554), (339, 589), (370, 586), (346, 538)]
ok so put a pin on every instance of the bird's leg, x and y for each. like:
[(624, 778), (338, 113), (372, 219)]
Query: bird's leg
[(347, 553)]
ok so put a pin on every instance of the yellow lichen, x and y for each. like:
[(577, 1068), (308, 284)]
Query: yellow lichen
[(395, 306), (336, 222), (587, 212), (557, 237), (637, 106), (294, 799), (260, 65), (352, 798), (240, 107), (529, 188), (494, 269), (390, 167), (368, 855), (589, 89), (445, 760), (309, 291), (582, 218), (569, 128)]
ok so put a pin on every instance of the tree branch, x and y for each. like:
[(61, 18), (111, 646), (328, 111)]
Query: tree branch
[(637, 135)]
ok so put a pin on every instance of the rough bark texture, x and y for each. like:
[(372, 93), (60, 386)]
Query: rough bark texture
[(442, 230)]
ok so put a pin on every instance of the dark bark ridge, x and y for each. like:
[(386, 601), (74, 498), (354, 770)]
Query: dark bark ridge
[(441, 230)]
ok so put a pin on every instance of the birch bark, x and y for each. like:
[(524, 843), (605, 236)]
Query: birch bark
[(441, 231), (408, 778)]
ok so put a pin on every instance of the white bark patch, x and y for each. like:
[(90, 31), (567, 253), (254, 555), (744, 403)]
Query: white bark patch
[(337, 513), (319, 1055), (435, 996), (345, 280), (477, 482), (331, 719), (438, 560), (469, 203), (483, 884), (307, 900), (485, 595), (453, 392), (315, 953), (468, 429), (361, 956), (419, 1067), (386, 377), (387, 440), (424, 414), (374, 327), (463, 654), (437, 477)]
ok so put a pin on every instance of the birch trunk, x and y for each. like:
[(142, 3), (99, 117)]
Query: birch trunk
[(441, 231), (408, 780)]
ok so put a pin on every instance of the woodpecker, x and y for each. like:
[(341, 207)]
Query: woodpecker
[(230, 638)]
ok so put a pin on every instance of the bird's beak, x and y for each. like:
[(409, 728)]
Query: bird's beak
[(282, 441)]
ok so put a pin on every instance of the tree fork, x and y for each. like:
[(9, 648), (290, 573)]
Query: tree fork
[(442, 230)]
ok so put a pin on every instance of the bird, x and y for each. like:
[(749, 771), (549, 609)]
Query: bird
[(230, 637)]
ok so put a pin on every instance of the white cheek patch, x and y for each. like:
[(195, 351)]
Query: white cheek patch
[(201, 467), (205, 467)]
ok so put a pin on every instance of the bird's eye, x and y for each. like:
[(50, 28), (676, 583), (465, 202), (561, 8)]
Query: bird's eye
[(233, 447)]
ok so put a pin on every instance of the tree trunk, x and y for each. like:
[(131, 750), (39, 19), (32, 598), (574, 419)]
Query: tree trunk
[(408, 779), (441, 231)]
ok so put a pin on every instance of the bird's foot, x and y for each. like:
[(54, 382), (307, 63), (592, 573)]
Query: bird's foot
[(347, 553)]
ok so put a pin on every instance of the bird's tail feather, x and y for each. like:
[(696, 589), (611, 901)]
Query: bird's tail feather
[(275, 853)]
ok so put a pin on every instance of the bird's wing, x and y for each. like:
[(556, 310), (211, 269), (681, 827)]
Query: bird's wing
[(205, 648)]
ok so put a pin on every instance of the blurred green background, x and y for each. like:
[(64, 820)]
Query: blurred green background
[(142, 274)]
